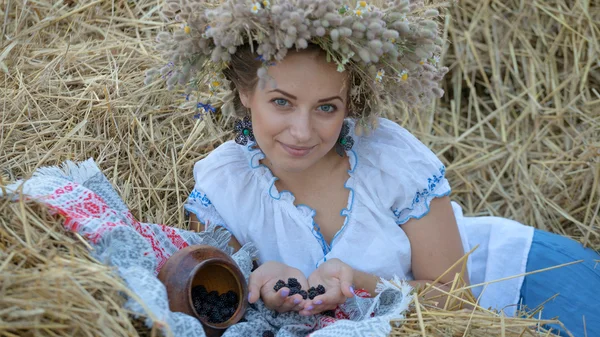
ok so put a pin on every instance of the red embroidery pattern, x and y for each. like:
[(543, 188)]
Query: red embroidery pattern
[(87, 213), (159, 251), (340, 314), (175, 238)]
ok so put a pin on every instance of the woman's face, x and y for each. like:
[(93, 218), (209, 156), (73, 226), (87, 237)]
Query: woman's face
[(298, 123)]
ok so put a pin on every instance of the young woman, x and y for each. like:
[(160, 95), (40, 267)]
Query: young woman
[(329, 206)]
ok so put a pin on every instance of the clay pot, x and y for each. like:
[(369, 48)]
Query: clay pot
[(208, 266)]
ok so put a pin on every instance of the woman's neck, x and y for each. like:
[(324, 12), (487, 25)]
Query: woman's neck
[(315, 174)]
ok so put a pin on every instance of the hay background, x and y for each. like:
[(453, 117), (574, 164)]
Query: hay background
[(519, 127)]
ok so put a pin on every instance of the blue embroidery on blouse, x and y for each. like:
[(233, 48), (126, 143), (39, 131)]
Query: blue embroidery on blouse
[(316, 230), (201, 197), (426, 192)]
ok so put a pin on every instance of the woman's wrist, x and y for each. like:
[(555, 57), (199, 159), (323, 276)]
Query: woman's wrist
[(365, 281)]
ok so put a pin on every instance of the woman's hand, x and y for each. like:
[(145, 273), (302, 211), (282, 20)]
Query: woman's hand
[(263, 280), (337, 278)]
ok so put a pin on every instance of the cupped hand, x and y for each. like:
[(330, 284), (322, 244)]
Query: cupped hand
[(336, 277), (262, 282)]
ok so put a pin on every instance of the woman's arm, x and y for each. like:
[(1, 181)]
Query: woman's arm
[(435, 243), (368, 282), (197, 226), (435, 246)]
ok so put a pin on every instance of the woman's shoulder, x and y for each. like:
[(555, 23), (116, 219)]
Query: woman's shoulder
[(401, 171), (390, 144), (228, 154), (227, 161)]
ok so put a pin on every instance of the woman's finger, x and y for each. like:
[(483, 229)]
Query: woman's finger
[(274, 299), (332, 296), (346, 278), (320, 309), (290, 303), (255, 284), (299, 306)]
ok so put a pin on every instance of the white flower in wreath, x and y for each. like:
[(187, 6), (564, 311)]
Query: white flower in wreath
[(403, 75), (214, 85), (379, 76), (255, 7)]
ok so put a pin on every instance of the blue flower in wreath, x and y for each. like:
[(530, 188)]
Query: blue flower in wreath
[(243, 128), (207, 107)]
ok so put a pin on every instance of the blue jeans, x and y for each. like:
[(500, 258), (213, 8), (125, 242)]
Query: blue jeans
[(577, 286)]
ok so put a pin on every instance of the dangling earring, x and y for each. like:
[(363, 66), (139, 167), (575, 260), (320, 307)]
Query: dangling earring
[(345, 141), (243, 128)]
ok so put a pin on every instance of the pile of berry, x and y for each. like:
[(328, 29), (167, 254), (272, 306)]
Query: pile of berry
[(217, 308), (296, 288)]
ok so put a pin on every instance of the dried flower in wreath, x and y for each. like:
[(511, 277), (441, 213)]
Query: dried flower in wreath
[(390, 51)]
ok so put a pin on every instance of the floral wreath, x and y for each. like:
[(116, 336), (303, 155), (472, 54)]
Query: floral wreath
[(392, 52)]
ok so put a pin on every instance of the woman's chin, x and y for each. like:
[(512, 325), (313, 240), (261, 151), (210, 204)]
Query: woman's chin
[(293, 164)]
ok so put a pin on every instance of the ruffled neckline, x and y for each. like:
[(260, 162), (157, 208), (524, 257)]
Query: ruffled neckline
[(268, 179)]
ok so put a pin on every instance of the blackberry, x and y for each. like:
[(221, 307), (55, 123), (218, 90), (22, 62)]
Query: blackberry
[(197, 302), (312, 293), (303, 293), (212, 297), (320, 289), (212, 306), (280, 284), (294, 291), (198, 291), (293, 283), (268, 333), (230, 297), (226, 314), (219, 306)]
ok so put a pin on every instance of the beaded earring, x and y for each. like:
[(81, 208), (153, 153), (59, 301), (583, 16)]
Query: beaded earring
[(243, 128), (345, 141)]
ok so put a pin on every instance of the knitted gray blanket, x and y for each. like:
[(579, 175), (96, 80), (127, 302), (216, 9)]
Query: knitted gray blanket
[(90, 205)]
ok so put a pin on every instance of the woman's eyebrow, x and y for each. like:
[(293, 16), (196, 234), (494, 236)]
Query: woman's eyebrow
[(294, 97), (284, 93), (330, 98)]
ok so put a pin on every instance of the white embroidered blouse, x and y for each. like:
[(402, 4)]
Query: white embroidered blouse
[(392, 178)]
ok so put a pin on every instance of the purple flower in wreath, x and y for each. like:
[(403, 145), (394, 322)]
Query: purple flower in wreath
[(262, 59), (243, 128)]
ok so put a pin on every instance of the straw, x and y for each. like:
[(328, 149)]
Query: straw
[(51, 285)]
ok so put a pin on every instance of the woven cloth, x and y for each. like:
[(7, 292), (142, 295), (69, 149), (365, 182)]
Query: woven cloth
[(85, 198)]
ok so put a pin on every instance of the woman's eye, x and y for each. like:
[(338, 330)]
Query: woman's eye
[(280, 102), (327, 108)]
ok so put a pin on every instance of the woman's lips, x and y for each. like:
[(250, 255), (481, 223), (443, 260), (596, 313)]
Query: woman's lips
[(296, 151)]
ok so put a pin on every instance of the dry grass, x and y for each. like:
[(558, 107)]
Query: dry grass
[(519, 130), (50, 285)]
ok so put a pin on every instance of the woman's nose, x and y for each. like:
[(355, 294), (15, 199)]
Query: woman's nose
[(301, 128)]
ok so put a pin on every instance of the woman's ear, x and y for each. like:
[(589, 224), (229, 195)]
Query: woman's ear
[(245, 99)]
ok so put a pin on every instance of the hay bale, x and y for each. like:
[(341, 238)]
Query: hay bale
[(49, 283), (519, 126)]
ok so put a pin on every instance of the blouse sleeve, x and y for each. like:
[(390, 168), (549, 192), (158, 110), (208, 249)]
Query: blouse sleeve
[(200, 205), (219, 180), (409, 173)]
